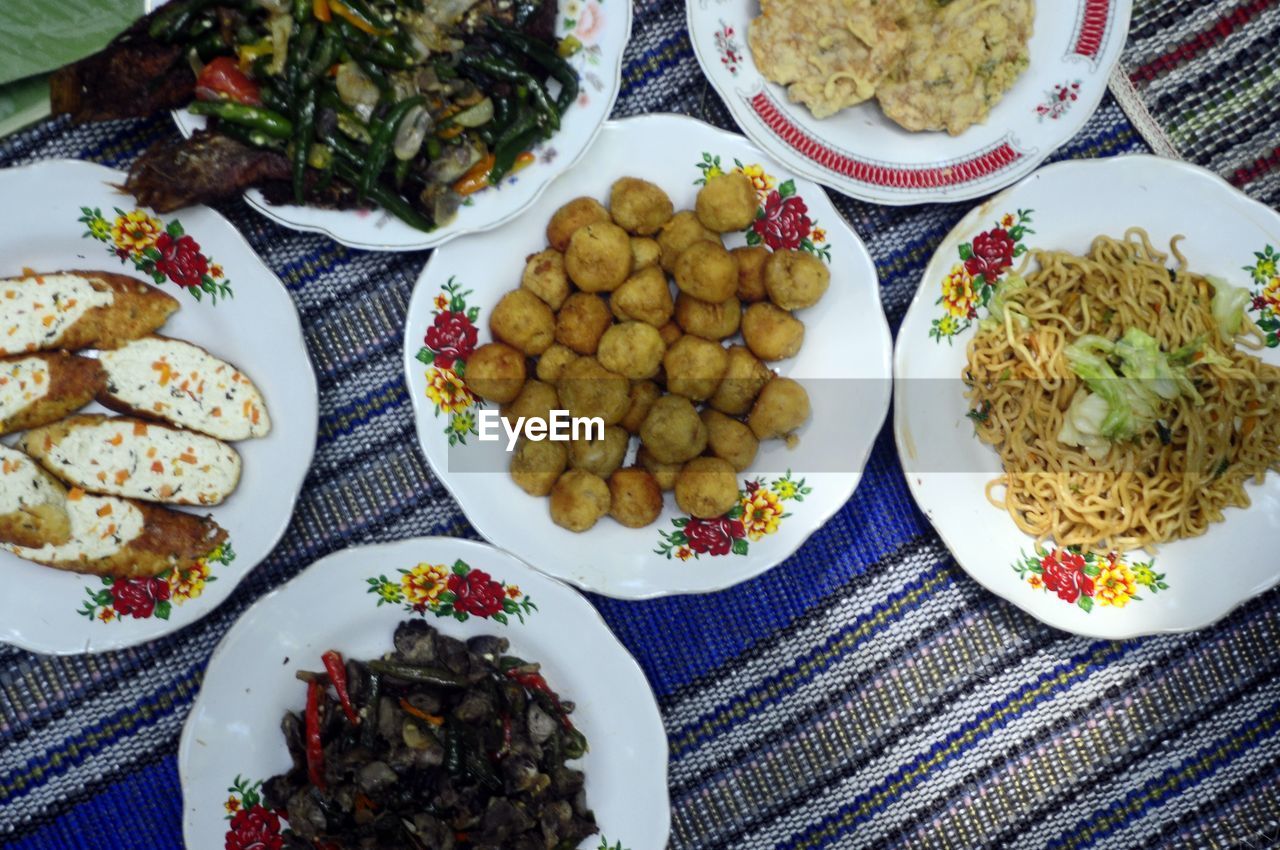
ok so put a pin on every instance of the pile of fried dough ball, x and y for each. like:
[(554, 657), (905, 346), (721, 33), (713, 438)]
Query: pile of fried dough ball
[(593, 329)]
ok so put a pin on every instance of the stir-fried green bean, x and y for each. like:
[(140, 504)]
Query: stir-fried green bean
[(256, 117), (304, 124)]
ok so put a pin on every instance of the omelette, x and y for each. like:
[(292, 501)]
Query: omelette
[(931, 64)]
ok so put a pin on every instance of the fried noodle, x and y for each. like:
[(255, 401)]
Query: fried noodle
[(1168, 482)]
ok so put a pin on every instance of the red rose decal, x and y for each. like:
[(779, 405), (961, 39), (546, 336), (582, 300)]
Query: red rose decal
[(713, 536), (992, 254), (1064, 575), (181, 260), (476, 593), (785, 222), (451, 337), (137, 597), (254, 829)]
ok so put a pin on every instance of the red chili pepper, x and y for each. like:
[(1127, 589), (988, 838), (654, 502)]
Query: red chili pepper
[(315, 747), (337, 671), (222, 79), (535, 682)]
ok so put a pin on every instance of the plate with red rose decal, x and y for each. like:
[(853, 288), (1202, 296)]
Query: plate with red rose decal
[(947, 425), (231, 305), (777, 499), (1054, 85), (355, 602)]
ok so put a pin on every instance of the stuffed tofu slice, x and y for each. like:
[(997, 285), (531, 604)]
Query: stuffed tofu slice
[(135, 459), (181, 383), (75, 309), (33, 507), (37, 389), (126, 539)]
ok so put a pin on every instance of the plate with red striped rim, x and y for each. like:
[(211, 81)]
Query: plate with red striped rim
[(861, 152)]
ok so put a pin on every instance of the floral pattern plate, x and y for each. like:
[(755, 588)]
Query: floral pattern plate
[(603, 27), (784, 497), (232, 305), (352, 601), (862, 153), (1186, 584)]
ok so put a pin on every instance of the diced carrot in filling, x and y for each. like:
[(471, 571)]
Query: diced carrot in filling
[(116, 440), (48, 320), (139, 429), (187, 457), (216, 412), (38, 377), (75, 494), (105, 510), (165, 370), (165, 491), (157, 467), (9, 466), (122, 475), (102, 476)]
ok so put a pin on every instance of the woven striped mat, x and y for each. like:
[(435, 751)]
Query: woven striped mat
[(866, 693)]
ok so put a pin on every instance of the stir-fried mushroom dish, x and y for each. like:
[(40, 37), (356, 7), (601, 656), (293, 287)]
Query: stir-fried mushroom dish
[(438, 745), (408, 104)]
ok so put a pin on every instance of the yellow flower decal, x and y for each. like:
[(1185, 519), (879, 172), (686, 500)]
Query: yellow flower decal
[(684, 553), (107, 614), (762, 181), (948, 326), (761, 511), (216, 271), (98, 228), (818, 236), (441, 301), (423, 584), (448, 391), (188, 584), (785, 488), (1115, 584), (232, 805), (1036, 582), (135, 231), (1271, 292), (1007, 220), (957, 292)]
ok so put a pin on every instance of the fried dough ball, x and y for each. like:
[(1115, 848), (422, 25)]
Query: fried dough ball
[(553, 360), (795, 279), (709, 321), (603, 456), (781, 407), (496, 372), (578, 500), (599, 257), (545, 277), (588, 389), (694, 367), (727, 202), (706, 270), (672, 432), (771, 333), (678, 234), (671, 333), (635, 497), (632, 349), (741, 384), (523, 321), (638, 206), (645, 297), (645, 252), (707, 487), (535, 401), (663, 473), (730, 439), (643, 395), (751, 263), (582, 321), (537, 464), (565, 221)]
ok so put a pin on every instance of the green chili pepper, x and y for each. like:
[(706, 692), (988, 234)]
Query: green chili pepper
[(505, 70), (382, 141), (306, 119), (256, 117), (255, 138), (517, 138), (554, 64), (413, 673)]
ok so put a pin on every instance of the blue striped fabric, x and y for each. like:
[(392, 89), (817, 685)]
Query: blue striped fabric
[(865, 693)]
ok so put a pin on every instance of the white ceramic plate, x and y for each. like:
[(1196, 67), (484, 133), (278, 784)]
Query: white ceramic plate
[(604, 30), (862, 153), (844, 365), (352, 601), (1190, 583), (49, 224)]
